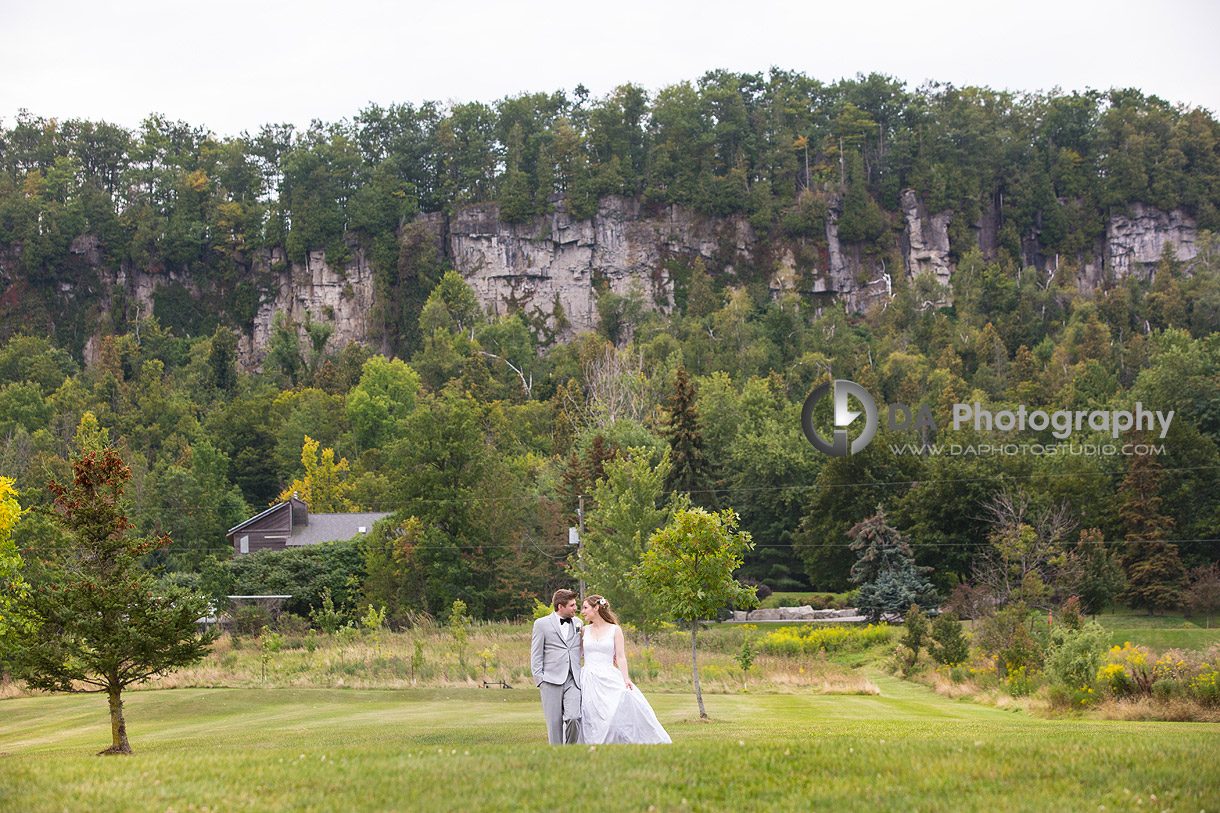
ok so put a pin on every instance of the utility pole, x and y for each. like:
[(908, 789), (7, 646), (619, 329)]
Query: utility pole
[(580, 543)]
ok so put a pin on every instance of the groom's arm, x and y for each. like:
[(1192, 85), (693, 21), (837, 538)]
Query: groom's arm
[(536, 662)]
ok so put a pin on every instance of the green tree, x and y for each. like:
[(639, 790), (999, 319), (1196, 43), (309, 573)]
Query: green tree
[(690, 470), (378, 404), (951, 646), (689, 566), (1155, 575), (101, 620), (630, 507), (1092, 573), (885, 570), (222, 360)]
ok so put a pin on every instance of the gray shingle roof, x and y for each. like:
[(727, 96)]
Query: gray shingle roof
[(332, 527)]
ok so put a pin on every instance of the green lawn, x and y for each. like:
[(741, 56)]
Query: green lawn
[(1162, 639), (473, 749)]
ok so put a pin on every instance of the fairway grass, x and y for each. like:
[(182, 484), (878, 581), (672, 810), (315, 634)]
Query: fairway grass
[(474, 749)]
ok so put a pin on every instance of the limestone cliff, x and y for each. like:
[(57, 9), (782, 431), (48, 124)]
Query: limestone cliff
[(555, 267)]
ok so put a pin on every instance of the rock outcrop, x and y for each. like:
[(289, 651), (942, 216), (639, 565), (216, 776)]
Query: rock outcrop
[(1135, 242), (557, 262), (556, 267)]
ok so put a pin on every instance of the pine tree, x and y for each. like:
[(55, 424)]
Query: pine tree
[(691, 471), (886, 572), (1155, 575)]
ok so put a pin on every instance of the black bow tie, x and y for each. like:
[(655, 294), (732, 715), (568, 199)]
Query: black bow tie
[(565, 621)]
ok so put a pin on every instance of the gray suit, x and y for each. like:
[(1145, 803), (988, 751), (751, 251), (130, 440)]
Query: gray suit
[(555, 664)]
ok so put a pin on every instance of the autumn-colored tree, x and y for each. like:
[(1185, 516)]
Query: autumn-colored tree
[(325, 487), (13, 587)]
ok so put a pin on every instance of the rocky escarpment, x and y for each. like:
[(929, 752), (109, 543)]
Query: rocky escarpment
[(558, 265), (556, 268)]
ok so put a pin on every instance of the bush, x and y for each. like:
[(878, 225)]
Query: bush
[(250, 620), (950, 646), (1205, 687), (291, 624), (1077, 655), (1166, 689), (1114, 681), (813, 639)]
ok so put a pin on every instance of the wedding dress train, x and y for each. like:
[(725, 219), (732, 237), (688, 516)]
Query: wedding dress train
[(610, 712)]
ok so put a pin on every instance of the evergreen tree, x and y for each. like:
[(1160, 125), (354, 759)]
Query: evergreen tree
[(101, 619), (885, 570), (1091, 573), (1155, 576), (691, 472)]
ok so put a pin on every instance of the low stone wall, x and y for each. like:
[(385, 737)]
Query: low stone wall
[(849, 615)]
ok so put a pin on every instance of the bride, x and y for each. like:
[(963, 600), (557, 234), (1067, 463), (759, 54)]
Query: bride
[(613, 710)]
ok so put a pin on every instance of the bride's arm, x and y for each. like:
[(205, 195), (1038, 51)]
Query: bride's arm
[(620, 656)]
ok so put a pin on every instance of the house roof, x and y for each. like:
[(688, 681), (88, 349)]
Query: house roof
[(277, 507), (333, 527)]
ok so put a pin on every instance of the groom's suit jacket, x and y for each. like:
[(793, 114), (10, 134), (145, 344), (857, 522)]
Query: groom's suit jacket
[(551, 657)]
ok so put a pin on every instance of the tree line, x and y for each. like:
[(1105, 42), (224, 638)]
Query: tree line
[(780, 148)]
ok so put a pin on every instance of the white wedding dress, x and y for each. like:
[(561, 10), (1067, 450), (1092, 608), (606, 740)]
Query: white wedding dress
[(610, 712)]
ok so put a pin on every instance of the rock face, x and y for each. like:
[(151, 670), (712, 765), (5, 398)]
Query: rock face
[(556, 262), (555, 267), (1134, 243), (342, 297), (926, 239)]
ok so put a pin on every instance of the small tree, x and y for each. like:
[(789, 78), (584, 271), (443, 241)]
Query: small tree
[(1203, 595), (951, 645), (689, 565), (102, 620), (745, 659), (458, 629), (373, 621)]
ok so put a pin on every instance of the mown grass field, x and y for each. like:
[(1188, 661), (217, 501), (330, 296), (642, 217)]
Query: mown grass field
[(474, 749)]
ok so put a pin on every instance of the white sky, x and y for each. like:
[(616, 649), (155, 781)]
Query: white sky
[(233, 65)]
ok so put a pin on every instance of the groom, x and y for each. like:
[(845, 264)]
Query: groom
[(555, 662)]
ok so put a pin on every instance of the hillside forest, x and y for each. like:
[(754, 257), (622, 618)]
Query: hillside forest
[(482, 434)]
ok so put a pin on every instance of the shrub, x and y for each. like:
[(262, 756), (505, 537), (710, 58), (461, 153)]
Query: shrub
[(1114, 680), (1022, 652), (250, 620), (1077, 655), (1137, 663), (812, 639), (291, 624), (951, 646), (1205, 687), (1166, 689), (1020, 681)]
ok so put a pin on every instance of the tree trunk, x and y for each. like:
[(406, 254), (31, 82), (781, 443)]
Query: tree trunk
[(118, 726), (694, 667)]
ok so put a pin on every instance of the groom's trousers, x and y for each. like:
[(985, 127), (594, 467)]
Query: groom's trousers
[(561, 708)]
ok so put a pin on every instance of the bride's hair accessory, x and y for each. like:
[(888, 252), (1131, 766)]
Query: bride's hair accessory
[(602, 602)]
